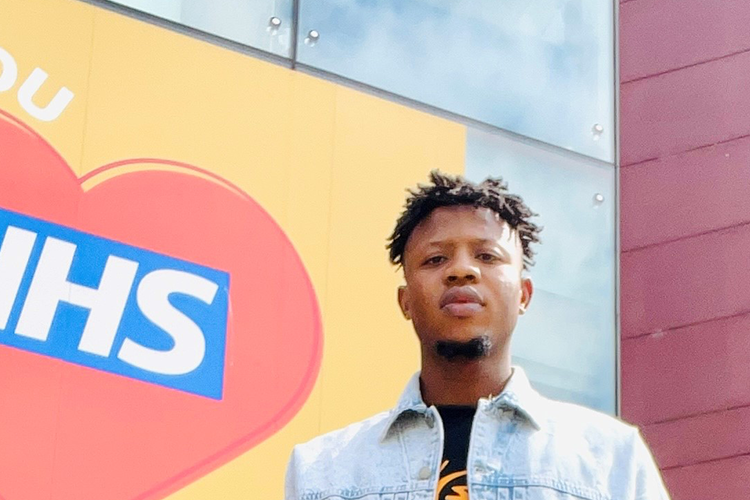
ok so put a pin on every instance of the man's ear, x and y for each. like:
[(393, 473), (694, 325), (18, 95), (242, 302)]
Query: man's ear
[(527, 290), (403, 301)]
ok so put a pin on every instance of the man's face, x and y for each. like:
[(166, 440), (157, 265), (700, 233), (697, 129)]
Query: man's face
[(463, 269)]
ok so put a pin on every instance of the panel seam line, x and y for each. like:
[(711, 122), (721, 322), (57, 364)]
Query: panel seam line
[(687, 66), (687, 237), (640, 163), (661, 331), (692, 416), (712, 460)]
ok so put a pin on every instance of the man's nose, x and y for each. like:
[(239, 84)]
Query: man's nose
[(462, 270)]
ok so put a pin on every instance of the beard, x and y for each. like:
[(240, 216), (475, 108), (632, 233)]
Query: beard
[(468, 350)]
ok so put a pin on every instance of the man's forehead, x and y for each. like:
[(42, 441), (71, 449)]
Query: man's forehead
[(480, 224)]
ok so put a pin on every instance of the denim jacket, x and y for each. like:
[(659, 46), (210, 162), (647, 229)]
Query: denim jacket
[(523, 446)]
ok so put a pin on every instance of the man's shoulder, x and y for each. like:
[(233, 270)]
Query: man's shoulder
[(569, 419), (605, 446), (356, 437)]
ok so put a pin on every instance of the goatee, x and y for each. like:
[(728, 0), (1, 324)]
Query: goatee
[(468, 350)]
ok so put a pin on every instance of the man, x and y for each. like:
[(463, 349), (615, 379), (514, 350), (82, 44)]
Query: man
[(469, 425)]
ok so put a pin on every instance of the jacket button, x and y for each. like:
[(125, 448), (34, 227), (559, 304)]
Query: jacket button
[(425, 473), (430, 421)]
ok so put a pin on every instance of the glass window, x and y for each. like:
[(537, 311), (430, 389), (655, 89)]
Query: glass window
[(543, 69), (263, 24), (566, 340)]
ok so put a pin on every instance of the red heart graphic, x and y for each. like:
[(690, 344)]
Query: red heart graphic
[(71, 432)]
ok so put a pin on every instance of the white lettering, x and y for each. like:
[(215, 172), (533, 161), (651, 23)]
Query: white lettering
[(30, 87), (50, 286), (189, 343), (14, 258), (10, 70)]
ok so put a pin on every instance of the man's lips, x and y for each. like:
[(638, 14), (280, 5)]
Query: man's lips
[(461, 301)]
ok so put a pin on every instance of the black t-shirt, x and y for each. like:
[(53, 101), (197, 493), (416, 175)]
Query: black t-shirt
[(457, 425)]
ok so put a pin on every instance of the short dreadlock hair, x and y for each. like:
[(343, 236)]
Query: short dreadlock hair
[(445, 191)]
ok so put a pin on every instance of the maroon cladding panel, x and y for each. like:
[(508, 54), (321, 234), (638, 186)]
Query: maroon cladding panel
[(686, 194), (677, 33), (721, 480), (685, 282), (710, 436), (688, 371), (685, 236), (686, 109)]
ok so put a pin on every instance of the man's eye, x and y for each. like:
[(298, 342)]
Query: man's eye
[(438, 259), (486, 257)]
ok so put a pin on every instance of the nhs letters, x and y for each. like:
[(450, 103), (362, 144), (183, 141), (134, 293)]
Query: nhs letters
[(110, 306)]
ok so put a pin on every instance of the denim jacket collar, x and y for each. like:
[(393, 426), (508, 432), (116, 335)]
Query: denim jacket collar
[(517, 396)]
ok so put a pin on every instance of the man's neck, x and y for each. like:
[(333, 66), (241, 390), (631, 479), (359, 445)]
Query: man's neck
[(462, 382)]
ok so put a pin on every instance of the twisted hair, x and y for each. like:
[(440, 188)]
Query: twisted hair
[(446, 190)]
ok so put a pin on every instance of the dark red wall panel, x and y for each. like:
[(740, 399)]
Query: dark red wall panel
[(685, 194), (686, 281), (720, 480), (677, 33), (685, 109), (703, 438), (687, 371), (685, 239)]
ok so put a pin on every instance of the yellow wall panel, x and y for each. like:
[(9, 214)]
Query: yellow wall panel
[(211, 107), (329, 163), (381, 148), (55, 36)]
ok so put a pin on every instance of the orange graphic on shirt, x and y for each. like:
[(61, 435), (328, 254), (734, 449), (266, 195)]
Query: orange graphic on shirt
[(461, 493), (458, 491)]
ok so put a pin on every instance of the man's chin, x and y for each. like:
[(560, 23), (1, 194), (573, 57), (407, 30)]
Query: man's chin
[(464, 350)]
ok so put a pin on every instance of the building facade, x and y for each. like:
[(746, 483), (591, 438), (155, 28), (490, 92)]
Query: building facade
[(684, 177), (239, 163)]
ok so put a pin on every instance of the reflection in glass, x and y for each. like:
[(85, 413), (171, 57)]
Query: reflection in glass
[(543, 69), (566, 340), (263, 24)]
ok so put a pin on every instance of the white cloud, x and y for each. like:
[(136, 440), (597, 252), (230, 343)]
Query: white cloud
[(542, 69)]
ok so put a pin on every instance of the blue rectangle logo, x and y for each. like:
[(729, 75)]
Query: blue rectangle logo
[(111, 306)]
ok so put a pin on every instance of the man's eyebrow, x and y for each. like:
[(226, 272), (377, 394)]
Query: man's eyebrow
[(451, 243), (438, 243), (496, 245)]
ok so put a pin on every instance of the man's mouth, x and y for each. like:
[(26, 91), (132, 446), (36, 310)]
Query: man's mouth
[(461, 301)]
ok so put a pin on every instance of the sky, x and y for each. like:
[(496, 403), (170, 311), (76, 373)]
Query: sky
[(543, 69)]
